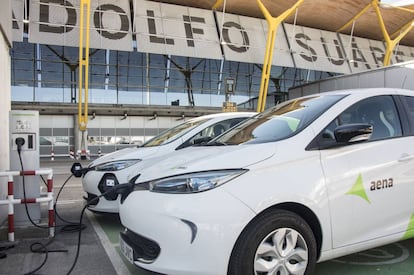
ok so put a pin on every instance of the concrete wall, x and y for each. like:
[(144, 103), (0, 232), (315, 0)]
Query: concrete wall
[(398, 76), (5, 26)]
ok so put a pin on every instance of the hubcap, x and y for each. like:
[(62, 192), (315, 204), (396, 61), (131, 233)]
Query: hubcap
[(282, 252)]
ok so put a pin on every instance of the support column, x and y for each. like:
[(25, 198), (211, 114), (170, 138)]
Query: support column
[(5, 102), (273, 24), (83, 75)]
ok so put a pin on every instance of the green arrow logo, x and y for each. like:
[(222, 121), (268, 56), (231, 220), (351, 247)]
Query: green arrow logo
[(358, 189), (410, 229)]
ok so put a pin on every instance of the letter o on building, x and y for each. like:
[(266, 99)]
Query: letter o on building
[(97, 19), (226, 37)]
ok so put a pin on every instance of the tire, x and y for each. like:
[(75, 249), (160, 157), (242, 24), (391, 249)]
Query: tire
[(257, 252)]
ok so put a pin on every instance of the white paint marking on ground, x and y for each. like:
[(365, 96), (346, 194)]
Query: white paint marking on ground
[(65, 202), (110, 250)]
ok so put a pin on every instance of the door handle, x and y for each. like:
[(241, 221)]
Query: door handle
[(406, 157)]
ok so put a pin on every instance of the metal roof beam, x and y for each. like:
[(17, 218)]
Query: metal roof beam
[(391, 43), (217, 4), (359, 14), (403, 29), (400, 30)]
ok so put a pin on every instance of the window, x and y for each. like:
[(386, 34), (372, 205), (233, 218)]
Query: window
[(409, 106), (280, 122), (173, 133), (212, 131), (379, 111)]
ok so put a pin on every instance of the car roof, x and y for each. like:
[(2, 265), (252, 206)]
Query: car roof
[(225, 115), (367, 91)]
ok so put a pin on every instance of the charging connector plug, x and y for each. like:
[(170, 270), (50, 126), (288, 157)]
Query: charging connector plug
[(78, 171), (123, 189), (19, 142)]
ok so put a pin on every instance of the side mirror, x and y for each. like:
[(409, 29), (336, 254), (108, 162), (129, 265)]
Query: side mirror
[(356, 132)]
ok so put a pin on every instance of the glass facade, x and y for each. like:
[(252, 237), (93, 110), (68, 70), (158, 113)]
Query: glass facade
[(45, 73), (58, 140)]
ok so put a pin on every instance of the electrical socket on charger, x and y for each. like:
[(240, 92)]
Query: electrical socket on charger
[(29, 142)]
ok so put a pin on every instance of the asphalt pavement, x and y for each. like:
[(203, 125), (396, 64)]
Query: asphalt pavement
[(68, 252), (96, 249)]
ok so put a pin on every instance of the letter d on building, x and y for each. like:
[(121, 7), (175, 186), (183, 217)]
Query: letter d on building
[(44, 19)]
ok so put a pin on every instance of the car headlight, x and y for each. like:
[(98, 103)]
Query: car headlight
[(116, 165), (194, 182)]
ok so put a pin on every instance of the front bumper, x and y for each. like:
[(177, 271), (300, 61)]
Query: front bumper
[(195, 232), (94, 184), (144, 250), (101, 205)]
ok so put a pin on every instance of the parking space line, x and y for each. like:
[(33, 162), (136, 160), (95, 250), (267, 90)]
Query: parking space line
[(110, 249)]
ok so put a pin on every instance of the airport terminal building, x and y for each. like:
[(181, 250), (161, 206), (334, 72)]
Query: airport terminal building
[(152, 55), (85, 78)]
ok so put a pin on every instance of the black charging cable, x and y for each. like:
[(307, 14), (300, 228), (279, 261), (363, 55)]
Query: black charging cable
[(20, 142), (43, 247), (120, 189), (70, 226)]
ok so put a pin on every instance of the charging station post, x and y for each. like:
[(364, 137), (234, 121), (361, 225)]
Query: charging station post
[(24, 140)]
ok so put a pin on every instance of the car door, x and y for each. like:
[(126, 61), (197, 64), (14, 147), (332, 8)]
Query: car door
[(370, 183)]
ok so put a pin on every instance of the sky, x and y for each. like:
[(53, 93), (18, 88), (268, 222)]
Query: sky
[(398, 2)]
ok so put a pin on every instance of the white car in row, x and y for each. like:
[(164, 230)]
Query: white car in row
[(312, 179), (121, 166)]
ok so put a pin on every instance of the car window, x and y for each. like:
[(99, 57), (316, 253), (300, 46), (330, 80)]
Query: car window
[(378, 111), (173, 133), (279, 122), (409, 106), (212, 131)]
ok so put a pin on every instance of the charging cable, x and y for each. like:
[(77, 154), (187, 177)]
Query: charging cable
[(70, 226), (122, 189), (43, 248), (118, 189), (20, 142)]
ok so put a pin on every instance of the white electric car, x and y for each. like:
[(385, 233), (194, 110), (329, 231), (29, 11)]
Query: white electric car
[(312, 179), (121, 166)]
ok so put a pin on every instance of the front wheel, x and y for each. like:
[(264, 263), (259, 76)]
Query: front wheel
[(277, 242)]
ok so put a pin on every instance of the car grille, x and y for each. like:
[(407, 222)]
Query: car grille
[(145, 250), (92, 199)]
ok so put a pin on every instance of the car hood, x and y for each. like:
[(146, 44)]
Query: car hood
[(127, 153), (204, 158)]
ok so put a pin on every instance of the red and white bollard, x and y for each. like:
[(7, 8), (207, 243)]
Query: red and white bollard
[(72, 154), (11, 201)]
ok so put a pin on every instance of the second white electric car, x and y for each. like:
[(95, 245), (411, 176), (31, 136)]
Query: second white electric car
[(121, 166)]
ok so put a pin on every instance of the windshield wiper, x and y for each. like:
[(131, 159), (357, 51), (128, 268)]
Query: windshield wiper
[(215, 143)]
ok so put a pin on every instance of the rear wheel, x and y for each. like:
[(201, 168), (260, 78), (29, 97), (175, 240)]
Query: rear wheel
[(277, 242)]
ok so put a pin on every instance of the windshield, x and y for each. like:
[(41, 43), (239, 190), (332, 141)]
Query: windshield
[(174, 133), (279, 122)]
